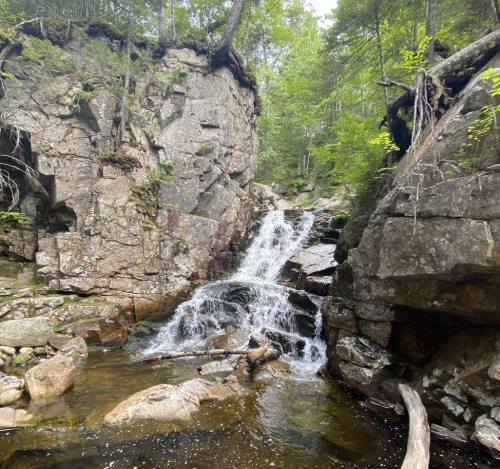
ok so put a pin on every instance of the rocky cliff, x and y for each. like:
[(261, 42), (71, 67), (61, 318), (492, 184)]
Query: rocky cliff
[(130, 213), (417, 298)]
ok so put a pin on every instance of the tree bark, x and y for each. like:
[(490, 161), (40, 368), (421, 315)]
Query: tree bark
[(419, 437), (172, 17), (430, 29), (162, 26), (223, 47), (497, 9)]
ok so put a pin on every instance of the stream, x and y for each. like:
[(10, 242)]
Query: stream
[(288, 416)]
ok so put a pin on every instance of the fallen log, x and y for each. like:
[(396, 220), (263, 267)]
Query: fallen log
[(253, 355), (419, 436)]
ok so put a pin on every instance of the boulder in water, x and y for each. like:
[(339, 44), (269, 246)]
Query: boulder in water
[(286, 342), (50, 379), (10, 418), (31, 332), (233, 292), (167, 402), (302, 301)]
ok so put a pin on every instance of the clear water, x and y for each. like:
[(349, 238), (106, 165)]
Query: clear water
[(286, 418)]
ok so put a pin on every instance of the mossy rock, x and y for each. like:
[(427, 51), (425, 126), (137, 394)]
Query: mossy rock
[(37, 351), (21, 359)]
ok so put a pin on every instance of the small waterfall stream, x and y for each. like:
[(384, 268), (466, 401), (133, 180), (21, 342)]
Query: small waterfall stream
[(251, 301)]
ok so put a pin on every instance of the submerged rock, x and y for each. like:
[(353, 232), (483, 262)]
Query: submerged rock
[(11, 389), (50, 379), (217, 366), (10, 418), (167, 402)]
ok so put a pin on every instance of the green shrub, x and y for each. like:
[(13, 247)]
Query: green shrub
[(11, 219)]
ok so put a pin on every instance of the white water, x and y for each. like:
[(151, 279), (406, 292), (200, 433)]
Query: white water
[(267, 302)]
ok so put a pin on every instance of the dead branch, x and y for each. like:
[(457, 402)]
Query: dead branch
[(419, 437), (195, 353), (389, 83)]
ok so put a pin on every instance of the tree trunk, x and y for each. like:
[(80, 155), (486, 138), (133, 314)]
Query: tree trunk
[(419, 437), (172, 18), (382, 68), (430, 29), (223, 47), (162, 26), (497, 9)]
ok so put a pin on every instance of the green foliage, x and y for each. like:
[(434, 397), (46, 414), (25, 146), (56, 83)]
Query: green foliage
[(176, 77), (161, 175), (47, 57), (84, 95), (414, 60), (493, 75), (120, 160), (13, 219)]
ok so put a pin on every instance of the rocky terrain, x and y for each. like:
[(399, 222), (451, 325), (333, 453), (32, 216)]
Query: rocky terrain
[(135, 222), (416, 296)]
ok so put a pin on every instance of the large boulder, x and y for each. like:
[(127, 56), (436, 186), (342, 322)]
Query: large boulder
[(167, 402), (49, 380), (31, 332)]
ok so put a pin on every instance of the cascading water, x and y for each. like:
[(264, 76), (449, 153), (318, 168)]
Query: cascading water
[(250, 301)]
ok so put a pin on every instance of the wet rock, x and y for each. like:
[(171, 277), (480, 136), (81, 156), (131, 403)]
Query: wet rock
[(30, 332), (305, 324), (75, 348), (367, 380), (50, 379), (27, 350), (390, 389), (10, 418), (316, 260), (218, 341), (288, 343), (257, 340), (487, 432), (275, 369), (21, 359), (167, 402), (303, 302), (317, 285), (454, 437), (240, 293), (217, 366)]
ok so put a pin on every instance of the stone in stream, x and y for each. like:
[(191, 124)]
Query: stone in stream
[(7, 350), (233, 292), (31, 332), (21, 359), (316, 260), (303, 301), (10, 418), (50, 379), (488, 434), (11, 389), (167, 402), (286, 342), (217, 366), (76, 349)]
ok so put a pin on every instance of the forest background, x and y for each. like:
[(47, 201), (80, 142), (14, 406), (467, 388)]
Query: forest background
[(319, 81)]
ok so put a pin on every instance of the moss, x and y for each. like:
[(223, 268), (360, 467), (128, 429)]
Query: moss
[(148, 225), (122, 161), (138, 189), (85, 95)]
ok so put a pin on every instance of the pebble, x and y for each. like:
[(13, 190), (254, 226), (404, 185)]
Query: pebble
[(27, 350), (7, 350)]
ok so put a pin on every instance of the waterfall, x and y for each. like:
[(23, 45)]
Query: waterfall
[(251, 301)]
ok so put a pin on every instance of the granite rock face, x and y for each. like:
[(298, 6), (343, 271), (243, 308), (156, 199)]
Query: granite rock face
[(419, 277), (109, 230)]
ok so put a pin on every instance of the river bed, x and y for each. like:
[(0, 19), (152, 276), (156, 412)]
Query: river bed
[(278, 422)]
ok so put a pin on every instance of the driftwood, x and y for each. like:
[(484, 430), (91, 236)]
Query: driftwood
[(253, 355), (419, 437)]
